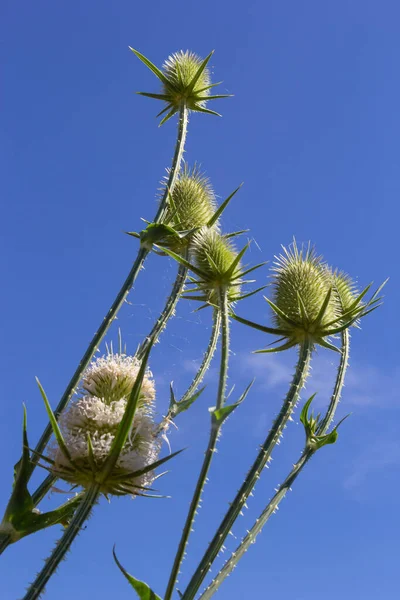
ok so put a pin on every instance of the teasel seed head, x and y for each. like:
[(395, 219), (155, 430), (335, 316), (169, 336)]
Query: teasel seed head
[(185, 80), (310, 301)]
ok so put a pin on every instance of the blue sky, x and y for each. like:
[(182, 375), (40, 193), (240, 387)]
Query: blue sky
[(313, 132)]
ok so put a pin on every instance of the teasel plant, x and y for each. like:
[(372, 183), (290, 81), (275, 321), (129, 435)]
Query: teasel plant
[(103, 438)]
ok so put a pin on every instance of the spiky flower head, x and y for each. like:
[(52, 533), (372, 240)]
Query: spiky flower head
[(185, 80), (93, 417), (216, 262), (310, 302), (300, 287), (192, 203), (190, 206), (91, 427), (346, 290), (111, 377)]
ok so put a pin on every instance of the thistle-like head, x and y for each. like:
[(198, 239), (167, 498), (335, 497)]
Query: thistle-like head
[(185, 80), (310, 302), (107, 435)]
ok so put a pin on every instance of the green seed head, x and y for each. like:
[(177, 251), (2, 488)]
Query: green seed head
[(345, 289), (192, 202), (185, 80), (301, 284), (180, 68), (213, 255)]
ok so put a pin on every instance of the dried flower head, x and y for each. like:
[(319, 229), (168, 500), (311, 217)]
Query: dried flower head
[(310, 303), (185, 80)]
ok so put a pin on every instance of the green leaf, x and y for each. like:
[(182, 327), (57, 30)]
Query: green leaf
[(21, 500), (323, 308), (219, 415), (185, 404), (244, 273), (33, 522), (207, 111), (155, 96), (221, 208), (182, 261), (280, 313), (199, 72), (54, 425), (249, 294), (151, 467), (282, 348), (203, 98), (230, 272), (152, 67), (141, 588), (169, 115), (270, 330)]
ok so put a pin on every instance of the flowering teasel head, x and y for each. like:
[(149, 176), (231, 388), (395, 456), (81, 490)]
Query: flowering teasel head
[(310, 303), (107, 435), (185, 80)]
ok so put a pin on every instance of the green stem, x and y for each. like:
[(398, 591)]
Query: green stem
[(82, 513), (301, 372), (167, 312), (215, 427), (208, 356), (118, 302), (273, 505), (337, 392), (5, 541)]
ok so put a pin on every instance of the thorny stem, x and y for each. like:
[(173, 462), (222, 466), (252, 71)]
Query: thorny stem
[(118, 302), (300, 375), (208, 356), (167, 312), (82, 513), (273, 505), (214, 432)]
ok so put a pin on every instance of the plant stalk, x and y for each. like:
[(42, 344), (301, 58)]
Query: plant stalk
[(82, 513), (207, 358), (273, 505), (118, 302), (299, 378), (214, 432)]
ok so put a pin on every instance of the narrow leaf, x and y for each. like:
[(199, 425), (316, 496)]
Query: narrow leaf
[(141, 588), (54, 425), (152, 67), (221, 208)]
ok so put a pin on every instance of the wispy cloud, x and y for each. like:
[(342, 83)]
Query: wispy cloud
[(366, 385), (378, 456)]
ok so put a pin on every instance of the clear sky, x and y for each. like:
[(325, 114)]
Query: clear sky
[(313, 131)]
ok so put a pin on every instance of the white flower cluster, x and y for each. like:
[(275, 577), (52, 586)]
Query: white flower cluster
[(106, 386)]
